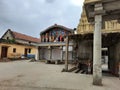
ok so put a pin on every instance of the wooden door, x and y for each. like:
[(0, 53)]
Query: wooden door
[(25, 52), (4, 52)]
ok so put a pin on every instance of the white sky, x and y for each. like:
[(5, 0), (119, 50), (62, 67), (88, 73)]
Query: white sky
[(32, 16)]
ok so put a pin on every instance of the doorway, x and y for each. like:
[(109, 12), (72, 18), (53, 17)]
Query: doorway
[(105, 59), (105, 62), (25, 52), (4, 52)]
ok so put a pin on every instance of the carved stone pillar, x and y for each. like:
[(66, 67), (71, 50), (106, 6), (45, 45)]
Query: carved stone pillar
[(97, 70), (66, 59)]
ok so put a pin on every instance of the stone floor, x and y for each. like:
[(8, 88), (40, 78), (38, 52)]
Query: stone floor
[(25, 75)]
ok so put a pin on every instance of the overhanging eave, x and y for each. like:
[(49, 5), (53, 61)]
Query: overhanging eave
[(111, 9)]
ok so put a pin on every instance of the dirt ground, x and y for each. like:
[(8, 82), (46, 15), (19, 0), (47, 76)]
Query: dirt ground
[(25, 75)]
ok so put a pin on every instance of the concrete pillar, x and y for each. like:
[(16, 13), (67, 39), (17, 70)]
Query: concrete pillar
[(97, 70), (66, 59)]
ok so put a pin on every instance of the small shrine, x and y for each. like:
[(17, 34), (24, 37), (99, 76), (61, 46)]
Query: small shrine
[(55, 33), (53, 40)]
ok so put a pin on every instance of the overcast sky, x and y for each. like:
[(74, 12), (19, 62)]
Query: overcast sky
[(32, 16)]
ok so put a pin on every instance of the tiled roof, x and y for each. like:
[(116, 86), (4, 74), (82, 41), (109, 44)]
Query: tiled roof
[(25, 37), (57, 26)]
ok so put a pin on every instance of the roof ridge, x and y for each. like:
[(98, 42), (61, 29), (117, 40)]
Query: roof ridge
[(24, 34), (18, 35), (56, 25)]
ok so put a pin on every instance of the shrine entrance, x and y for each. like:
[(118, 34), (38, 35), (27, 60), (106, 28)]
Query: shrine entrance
[(83, 45)]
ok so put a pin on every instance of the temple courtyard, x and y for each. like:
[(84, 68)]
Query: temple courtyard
[(26, 75)]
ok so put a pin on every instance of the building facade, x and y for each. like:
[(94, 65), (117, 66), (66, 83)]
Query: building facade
[(15, 45), (52, 46), (110, 41)]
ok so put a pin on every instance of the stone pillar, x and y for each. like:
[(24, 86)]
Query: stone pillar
[(37, 54), (66, 59), (119, 70), (0, 50), (61, 48), (50, 52), (97, 70), (49, 55)]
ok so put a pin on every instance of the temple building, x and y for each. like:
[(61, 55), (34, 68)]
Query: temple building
[(85, 27), (52, 46), (110, 42)]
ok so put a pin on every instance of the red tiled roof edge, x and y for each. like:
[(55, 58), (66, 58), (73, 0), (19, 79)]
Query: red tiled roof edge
[(25, 37)]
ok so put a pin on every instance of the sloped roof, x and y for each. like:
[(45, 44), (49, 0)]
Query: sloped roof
[(25, 37), (17, 35), (57, 26), (91, 1)]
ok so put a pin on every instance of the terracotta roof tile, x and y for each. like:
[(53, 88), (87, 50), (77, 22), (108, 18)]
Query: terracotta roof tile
[(25, 37)]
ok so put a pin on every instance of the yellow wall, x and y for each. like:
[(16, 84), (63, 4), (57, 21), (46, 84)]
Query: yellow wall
[(19, 50), (85, 27)]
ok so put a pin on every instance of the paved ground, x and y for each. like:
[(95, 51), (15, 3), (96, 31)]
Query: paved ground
[(25, 75)]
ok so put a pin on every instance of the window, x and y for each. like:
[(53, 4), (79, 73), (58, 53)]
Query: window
[(29, 50), (14, 50), (29, 42), (7, 38)]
